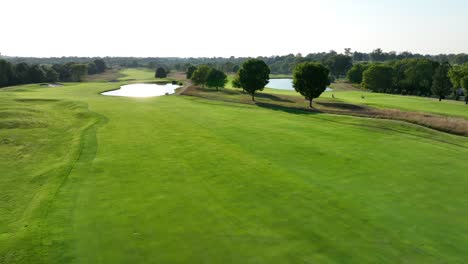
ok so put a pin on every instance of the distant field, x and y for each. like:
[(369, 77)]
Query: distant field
[(178, 179), (137, 73)]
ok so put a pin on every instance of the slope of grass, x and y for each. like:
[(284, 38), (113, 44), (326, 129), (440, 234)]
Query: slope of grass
[(412, 103), (177, 179), (349, 94)]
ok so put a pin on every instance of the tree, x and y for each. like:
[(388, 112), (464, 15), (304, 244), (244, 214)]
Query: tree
[(92, 69), (100, 65), (354, 75), (413, 76), (160, 73), (216, 79), (378, 78), (6, 73), (347, 52), (190, 71), (200, 75), (339, 65), (464, 83), (310, 80), (50, 74), (22, 73), (377, 55), (253, 76), (78, 72), (441, 85), (236, 82), (36, 74)]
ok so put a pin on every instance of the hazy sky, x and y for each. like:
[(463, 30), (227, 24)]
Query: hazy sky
[(210, 28)]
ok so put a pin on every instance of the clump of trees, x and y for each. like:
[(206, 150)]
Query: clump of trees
[(310, 80), (24, 73), (160, 73), (415, 76), (206, 75), (378, 78), (339, 65), (354, 75)]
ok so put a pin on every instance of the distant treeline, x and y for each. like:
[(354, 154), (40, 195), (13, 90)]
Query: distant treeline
[(26, 72), (277, 64), (417, 76)]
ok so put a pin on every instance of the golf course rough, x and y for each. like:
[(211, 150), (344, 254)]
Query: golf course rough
[(87, 178)]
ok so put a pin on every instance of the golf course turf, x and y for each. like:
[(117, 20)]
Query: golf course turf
[(87, 178)]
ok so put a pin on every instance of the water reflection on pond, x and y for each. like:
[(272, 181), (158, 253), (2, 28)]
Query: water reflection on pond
[(143, 90), (285, 84)]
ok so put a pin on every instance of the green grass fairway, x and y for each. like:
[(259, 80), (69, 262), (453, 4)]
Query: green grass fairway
[(87, 178)]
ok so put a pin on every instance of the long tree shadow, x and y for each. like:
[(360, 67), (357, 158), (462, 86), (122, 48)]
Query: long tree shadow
[(273, 97), (343, 106), (288, 109)]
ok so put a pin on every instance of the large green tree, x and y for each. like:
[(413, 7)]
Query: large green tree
[(200, 75), (216, 78), (378, 78), (310, 80), (253, 76), (441, 85), (160, 73)]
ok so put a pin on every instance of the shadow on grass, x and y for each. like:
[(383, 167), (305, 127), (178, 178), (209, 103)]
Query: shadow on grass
[(342, 106), (273, 97), (287, 109)]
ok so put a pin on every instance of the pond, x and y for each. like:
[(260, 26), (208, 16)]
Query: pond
[(143, 90), (285, 84)]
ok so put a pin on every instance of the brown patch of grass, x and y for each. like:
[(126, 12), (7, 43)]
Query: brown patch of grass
[(453, 125), (108, 75)]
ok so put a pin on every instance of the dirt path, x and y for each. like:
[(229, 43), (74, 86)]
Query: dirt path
[(187, 84)]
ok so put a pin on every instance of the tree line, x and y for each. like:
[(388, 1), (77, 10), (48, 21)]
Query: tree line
[(284, 64), (416, 76), (24, 73)]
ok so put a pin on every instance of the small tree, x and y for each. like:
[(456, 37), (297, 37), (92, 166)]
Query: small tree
[(253, 76), (190, 71), (378, 78), (310, 80), (216, 79), (200, 75), (160, 73), (441, 85)]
